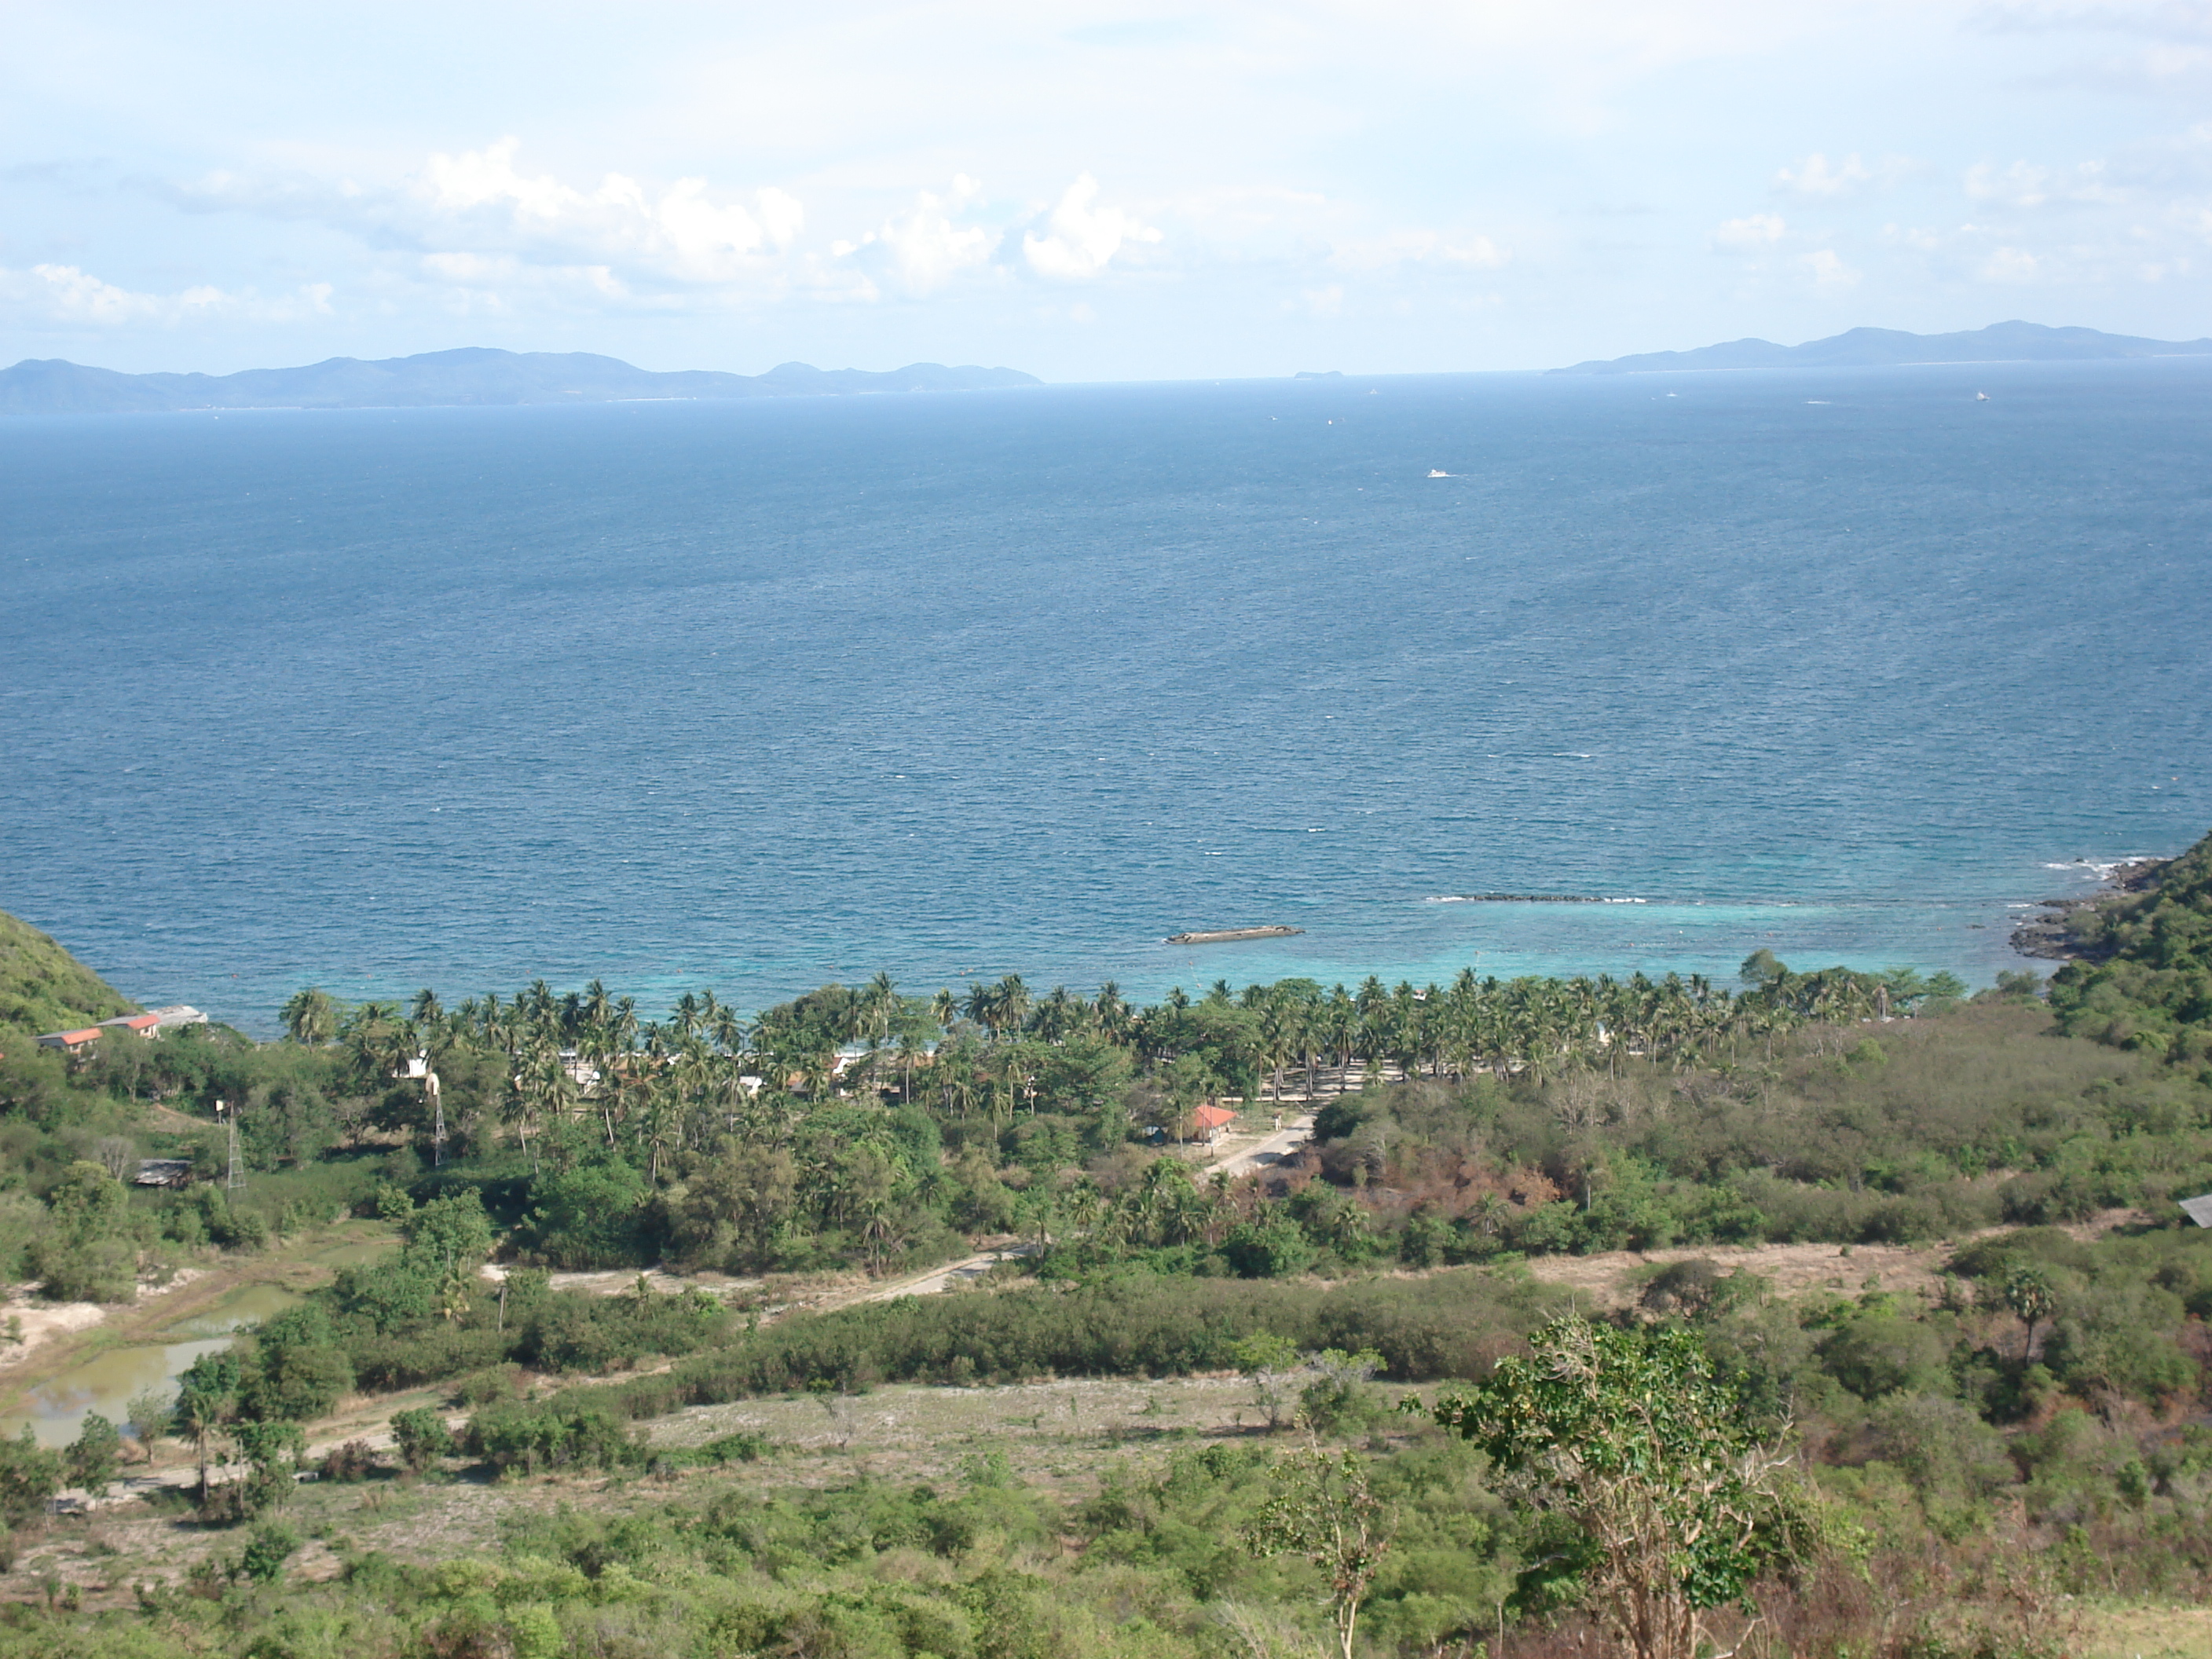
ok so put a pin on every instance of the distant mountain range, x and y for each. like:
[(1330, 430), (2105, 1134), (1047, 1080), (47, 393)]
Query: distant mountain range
[(474, 374), (1865, 347)]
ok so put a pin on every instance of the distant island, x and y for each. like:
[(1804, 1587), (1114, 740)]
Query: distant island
[(1869, 348), (471, 374)]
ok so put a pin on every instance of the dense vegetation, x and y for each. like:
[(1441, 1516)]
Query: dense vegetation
[(2144, 979), (2032, 1427), (1956, 1464)]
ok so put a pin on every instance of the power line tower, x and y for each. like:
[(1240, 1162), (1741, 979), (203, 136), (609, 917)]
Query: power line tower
[(234, 1180)]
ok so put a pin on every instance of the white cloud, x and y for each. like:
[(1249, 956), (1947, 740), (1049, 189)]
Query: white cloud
[(2024, 185), (1750, 233), (69, 296), (924, 249), (1080, 237), (479, 200), (1417, 247), (1828, 269), (481, 203), (2011, 265), (1813, 176)]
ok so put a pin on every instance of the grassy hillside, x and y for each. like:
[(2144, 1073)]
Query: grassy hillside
[(44, 988)]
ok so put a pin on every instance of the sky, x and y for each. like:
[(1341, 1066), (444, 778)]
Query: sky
[(1090, 191)]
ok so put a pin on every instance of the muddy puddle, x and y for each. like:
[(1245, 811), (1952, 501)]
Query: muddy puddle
[(108, 1381)]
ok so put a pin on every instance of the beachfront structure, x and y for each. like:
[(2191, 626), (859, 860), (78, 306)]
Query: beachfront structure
[(144, 1026), (70, 1042), (180, 1013), (1211, 1121)]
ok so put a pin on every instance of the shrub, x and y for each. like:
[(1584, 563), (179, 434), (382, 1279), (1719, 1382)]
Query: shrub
[(29, 1476), (422, 1437), (272, 1545), (91, 1458), (354, 1460)]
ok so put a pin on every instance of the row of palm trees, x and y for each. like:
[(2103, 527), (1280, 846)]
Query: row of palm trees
[(705, 1070)]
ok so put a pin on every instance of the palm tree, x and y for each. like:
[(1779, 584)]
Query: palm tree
[(1013, 1002), (687, 1014), (1111, 1014), (880, 1005), (908, 1052), (311, 1017), (982, 1005)]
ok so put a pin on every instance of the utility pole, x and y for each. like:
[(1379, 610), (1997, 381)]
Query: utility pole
[(438, 1109), (235, 1182)]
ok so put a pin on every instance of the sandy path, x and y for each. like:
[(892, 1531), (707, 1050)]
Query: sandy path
[(1276, 1147)]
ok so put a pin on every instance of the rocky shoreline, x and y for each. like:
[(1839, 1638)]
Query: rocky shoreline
[(2049, 935)]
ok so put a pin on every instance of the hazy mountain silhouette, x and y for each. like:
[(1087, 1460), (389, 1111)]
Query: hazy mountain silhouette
[(1869, 347), (473, 375)]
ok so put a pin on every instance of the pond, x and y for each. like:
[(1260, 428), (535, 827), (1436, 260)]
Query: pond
[(107, 1382)]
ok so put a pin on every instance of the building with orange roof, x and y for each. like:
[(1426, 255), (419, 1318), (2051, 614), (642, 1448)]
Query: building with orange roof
[(1211, 1121)]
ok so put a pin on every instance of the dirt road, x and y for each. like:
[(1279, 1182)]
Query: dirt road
[(1274, 1148)]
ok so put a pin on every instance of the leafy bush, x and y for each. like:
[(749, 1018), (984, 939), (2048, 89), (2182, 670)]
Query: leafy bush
[(272, 1545), (422, 1436)]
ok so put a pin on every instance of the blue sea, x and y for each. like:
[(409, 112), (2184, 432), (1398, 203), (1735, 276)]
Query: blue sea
[(1847, 663)]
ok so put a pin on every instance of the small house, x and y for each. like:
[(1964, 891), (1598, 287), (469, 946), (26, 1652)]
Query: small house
[(179, 1013), (1211, 1121), (144, 1026), (70, 1042)]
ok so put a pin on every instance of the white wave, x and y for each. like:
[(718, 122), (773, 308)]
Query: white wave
[(2102, 871)]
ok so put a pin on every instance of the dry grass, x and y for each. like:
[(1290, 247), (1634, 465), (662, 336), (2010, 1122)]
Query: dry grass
[(1063, 1436), (2145, 1634)]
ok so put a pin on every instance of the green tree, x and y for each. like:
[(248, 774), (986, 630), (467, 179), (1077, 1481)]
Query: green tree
[(296, 1370), (29, 1476), (422, 1437), (2028, 1293), (311, 1017), (1326, 1509), (1626, 1436), (265, 1554), (207, 1399), (91, 1458), (272, 1453)]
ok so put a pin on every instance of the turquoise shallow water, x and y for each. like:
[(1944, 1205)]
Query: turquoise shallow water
[(756, 696)]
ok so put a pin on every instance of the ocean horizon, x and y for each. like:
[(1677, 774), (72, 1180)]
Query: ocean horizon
[(1846, 664)]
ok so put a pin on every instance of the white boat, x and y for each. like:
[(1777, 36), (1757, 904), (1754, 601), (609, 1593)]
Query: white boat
[(1981, 396), (1433, 473)]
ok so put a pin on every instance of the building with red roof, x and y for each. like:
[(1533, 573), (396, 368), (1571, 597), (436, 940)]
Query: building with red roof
[(1211, 1121)]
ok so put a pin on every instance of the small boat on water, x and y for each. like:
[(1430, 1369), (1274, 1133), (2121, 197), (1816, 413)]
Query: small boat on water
[(1981, 396), (1434, 473)]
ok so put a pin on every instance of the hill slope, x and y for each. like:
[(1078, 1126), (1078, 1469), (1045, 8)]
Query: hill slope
[(1868, 347), (44, 988), (473, 375), (2146, 978)]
